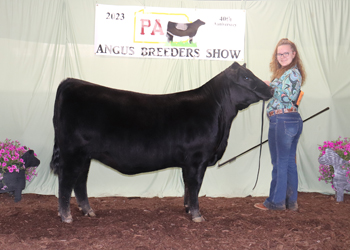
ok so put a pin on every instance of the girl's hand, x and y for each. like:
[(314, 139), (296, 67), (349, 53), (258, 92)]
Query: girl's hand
[(267, 83)]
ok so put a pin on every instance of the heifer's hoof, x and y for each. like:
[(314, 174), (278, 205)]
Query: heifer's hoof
[(90, 213), (68, 219), (198, 219)]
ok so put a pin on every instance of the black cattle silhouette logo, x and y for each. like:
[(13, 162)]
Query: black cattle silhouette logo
[(183, 29)]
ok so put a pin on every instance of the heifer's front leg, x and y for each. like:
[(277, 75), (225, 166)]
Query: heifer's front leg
[(193, 178)]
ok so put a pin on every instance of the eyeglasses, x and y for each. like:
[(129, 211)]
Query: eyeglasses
[(285, 54)]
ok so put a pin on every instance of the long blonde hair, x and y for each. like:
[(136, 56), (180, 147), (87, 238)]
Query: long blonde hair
[(277, 69)]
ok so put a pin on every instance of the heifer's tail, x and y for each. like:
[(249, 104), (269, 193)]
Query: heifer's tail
[(54, 164), (55, 160)]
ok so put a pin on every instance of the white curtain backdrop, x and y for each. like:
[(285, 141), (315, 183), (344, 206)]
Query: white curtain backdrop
[(43, 42)]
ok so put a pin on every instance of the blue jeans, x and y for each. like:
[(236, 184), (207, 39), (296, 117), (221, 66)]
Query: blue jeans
[(284, 133)]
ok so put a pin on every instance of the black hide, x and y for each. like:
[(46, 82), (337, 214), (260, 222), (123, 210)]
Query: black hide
[(135, 133)]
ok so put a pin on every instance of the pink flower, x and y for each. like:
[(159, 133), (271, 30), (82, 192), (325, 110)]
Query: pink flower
[(10, 153)]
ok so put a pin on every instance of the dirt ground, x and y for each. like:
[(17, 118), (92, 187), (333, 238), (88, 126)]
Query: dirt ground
[(161, 223)]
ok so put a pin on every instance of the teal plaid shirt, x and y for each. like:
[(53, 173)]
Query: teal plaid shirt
[(286, 88)]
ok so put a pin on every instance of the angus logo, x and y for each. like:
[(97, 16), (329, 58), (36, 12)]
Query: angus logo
[(152, 32), (183, 29), (149, 28)]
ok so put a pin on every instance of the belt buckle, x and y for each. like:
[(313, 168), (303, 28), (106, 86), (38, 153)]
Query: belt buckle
[(290, 110), (278, 111)]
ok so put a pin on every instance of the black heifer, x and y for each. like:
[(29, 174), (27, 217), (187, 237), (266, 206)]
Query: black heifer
[(135, 133), (183, 29)]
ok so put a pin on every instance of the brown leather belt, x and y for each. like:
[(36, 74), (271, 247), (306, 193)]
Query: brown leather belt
[(281, 111)]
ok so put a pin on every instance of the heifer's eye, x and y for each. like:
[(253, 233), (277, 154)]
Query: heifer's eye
[(246, 78)]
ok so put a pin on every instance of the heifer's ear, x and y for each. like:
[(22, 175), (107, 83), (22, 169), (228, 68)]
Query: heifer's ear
[(232, 71), (235, 65)]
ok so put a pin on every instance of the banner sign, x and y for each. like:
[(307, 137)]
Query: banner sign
[(152, 32)]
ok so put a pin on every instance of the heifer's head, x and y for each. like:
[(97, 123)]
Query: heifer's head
[(245, 87)]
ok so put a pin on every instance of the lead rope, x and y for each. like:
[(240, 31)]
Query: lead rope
[(261, 136)]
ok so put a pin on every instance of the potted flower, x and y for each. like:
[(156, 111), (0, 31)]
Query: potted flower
[(17, 164), (334, 166)]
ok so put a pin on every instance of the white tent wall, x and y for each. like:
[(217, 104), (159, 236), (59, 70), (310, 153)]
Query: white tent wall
[(43, 42)]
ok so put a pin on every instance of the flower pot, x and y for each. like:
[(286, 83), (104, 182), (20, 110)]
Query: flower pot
[(340, 178), (341, 184), (15, 183)]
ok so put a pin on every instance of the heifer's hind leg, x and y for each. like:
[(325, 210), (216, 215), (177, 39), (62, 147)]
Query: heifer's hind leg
[(80, 190), (67, 178), (65, 183), (193, 178)]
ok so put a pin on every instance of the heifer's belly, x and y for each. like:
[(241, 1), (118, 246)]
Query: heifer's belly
[(135, 164), (134, 158)]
